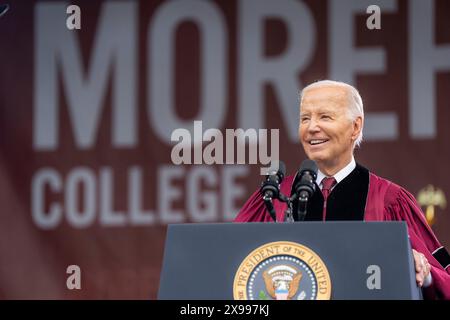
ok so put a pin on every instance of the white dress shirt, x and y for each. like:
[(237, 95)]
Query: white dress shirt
[(339, 176)]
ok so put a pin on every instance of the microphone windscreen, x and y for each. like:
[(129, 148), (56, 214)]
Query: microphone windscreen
[(277, 167), (308, 165)]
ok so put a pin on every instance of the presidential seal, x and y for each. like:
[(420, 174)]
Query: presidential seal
[(282, 271)]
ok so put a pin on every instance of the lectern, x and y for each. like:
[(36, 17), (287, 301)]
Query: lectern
[(295, 261)]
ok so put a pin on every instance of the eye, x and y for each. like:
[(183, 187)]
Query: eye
[(304, 119), (325, 117)]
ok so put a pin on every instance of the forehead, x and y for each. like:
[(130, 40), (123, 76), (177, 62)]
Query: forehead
[(326, 97)]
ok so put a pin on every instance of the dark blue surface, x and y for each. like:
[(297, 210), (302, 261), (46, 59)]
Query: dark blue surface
[(200, 260)]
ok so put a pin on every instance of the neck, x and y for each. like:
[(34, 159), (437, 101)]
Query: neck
[(330, 169)]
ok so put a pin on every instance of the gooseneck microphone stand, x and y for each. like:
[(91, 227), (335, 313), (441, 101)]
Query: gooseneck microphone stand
[(288, 213)]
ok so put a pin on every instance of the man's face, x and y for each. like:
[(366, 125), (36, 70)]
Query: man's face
[(326, 130)]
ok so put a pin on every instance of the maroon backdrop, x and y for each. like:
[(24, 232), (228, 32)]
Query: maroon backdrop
[(86, 176)]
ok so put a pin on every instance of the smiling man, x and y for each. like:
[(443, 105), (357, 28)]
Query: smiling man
[(331, 120), (331, 124)]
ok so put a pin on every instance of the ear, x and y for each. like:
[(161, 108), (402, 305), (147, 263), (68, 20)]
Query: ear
[(357, 127)]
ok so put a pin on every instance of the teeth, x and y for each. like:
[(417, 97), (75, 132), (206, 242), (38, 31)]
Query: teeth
[(316, 141)]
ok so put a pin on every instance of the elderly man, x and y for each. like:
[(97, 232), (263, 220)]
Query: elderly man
[(331, 123)]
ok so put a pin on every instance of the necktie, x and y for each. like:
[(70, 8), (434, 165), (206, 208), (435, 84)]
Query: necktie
[(327, 184)]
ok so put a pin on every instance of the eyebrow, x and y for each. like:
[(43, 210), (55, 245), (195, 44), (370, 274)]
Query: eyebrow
[(333, 112)]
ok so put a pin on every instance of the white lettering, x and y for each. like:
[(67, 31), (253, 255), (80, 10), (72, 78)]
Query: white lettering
[(202, 204), (169, 193), (374, 20), (214, 66), (232, 190), (282, 72), (50, 219), (109, 217), (138, 216), (74, 20), (346, 61), (426, 59), (85, 178), (74, 280), (114, 46)]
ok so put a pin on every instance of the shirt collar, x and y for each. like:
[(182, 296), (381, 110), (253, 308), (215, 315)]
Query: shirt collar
[(340, 175)]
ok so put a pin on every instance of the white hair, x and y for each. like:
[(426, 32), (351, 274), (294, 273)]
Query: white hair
[(355, 106)]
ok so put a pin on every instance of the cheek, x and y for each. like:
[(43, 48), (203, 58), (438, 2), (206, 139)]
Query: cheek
[(301, 132), (344, 133)]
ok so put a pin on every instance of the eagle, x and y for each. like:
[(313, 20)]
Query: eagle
[(292, 285)]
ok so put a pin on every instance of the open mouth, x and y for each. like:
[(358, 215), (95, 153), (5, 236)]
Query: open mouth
[(316, 142)]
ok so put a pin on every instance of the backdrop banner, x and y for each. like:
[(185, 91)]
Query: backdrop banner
[(98, 97)]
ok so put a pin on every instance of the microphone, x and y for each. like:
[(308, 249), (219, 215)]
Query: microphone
[(305, 186), (3, 9), (270, 188)]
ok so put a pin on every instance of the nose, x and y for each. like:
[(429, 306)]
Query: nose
[(313, 126)]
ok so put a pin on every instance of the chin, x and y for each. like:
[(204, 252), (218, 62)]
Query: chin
[(316, 156)]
